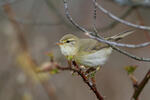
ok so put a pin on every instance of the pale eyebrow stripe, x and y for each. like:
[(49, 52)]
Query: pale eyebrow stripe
[(70, 40)]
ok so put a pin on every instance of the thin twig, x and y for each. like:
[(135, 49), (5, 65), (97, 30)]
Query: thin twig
[(90, 34), (130, 55), (120, 20), (101, 39), (115, 23), (141, 86), (94, 18), (134, 81), (82, 75), (19, 33), (98, 37)]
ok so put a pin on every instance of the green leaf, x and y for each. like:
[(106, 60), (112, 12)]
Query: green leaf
[(70, 58), (130, 69), (54, 71)]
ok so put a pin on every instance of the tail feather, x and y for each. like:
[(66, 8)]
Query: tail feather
[(120, 35)]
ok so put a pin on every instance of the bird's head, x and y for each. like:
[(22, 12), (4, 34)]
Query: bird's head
[(69, 45)]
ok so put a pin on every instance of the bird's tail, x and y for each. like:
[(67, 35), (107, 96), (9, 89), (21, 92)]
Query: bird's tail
[(120, 36)]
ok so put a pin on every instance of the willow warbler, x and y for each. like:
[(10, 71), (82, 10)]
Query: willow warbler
[(87, 52)]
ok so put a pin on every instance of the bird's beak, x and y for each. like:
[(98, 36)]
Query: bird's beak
[(58, 43)]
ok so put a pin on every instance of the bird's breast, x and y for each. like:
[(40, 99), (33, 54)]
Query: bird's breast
[(68, 51)]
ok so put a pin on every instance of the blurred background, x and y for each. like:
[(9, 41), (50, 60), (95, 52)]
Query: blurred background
[(30, 28)]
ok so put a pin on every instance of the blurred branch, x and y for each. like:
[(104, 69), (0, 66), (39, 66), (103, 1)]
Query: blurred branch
[(40, 23), (19, 33), (24, 56), (100, 39), (141, 86), (57, 13), (3, 2), (142, 3), (120, 20), (142, 23), (33, 16)]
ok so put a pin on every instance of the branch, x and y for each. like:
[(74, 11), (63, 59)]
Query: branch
[(115, 23), (99, 38), (141, 86), (131, 55), (55, 10), (120, 20), (3, 2), (92, 35), (27, 63), (91, 85), (38, 23), (20, 35)]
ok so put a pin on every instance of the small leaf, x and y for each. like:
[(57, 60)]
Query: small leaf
[(54, 71), (130, 69), (70, 58)]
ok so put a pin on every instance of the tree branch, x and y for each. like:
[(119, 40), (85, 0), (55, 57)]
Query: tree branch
[(76, 69), (131, 55), (3, 2), (93, 35), (115, 23), (141, 86), (98, 37), (27, 59), (120, 20)]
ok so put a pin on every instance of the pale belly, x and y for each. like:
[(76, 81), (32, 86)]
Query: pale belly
[(95, 59)]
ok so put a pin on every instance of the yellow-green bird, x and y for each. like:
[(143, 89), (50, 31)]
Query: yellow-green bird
[(87, 52)]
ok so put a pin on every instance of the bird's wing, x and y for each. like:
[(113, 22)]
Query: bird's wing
[(90, 45)]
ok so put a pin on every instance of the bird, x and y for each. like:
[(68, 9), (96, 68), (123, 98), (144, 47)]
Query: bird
[(88, 52)]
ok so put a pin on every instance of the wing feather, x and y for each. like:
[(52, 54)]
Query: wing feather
[(91, 45)]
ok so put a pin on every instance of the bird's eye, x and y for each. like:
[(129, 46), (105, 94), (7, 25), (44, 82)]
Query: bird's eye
[(67, 41)]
